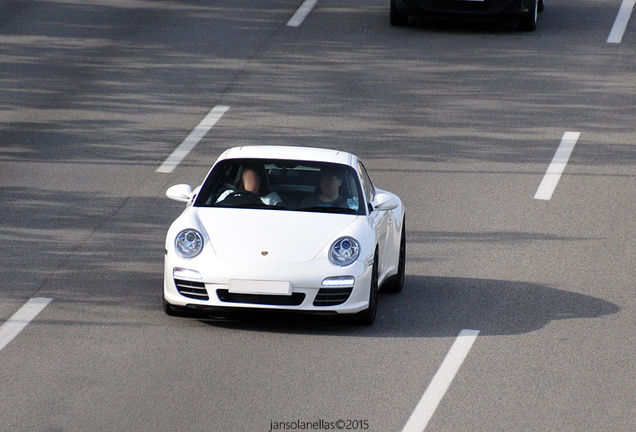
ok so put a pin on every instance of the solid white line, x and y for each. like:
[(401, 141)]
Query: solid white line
[(21, 319), (193, 139), (559, 161), (302, 13), (441, 382), (620, 25)]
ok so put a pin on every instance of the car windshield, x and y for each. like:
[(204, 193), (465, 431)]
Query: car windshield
[(282, 185)]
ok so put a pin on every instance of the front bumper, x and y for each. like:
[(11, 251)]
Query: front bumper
[(308, 294)]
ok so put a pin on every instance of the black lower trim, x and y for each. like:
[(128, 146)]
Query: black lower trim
[(251, 313), (295, 299)]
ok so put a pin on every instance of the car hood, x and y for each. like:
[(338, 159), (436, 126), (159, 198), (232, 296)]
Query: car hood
[(274, 235)]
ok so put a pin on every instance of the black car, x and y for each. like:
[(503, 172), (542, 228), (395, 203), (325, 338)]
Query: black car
[(523, 11)]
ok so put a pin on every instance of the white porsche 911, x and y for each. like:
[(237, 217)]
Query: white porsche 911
[(284, 228)]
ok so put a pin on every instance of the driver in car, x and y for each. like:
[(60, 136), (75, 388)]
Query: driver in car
[(329, 188), (250, 180)]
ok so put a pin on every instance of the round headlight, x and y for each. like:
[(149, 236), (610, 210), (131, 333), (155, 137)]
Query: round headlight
[(188, 243), (344, 251)]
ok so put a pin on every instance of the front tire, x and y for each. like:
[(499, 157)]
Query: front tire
[(529, 21), (368, 316)]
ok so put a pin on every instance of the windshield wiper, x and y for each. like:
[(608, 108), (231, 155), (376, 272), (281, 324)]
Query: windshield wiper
[(246, 205), (249, 206), (321, 209)]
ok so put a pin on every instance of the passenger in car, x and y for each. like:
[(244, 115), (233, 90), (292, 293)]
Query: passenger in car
[(328, 191), (250, 179)]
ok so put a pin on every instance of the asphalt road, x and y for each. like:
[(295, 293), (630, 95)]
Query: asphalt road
[(461, 119)]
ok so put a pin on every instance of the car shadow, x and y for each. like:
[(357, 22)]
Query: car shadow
[(441, 307)]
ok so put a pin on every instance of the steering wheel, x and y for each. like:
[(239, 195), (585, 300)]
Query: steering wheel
[(251, 196)]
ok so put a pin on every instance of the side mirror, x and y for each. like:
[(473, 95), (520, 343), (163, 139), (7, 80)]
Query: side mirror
[(181, 193), (384, 201)]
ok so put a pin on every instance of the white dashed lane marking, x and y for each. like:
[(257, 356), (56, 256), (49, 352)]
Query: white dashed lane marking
[(21, 319), (557, 166), (441, 381), (620, 25), (302, 13), (193, 139)]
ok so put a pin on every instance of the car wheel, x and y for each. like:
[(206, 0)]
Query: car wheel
[(396, 18), (396, 285), (541, 5), (529, 21), (368, 317)]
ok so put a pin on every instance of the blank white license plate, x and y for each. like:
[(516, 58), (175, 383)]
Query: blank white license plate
[(260, 287)]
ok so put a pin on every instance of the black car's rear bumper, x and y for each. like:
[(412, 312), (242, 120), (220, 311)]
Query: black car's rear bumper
[(463, 7)]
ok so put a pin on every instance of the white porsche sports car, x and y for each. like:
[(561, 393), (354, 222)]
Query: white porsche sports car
[(284, 228)]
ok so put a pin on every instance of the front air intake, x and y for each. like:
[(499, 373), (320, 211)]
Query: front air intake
[(191, 289), (332, 296)]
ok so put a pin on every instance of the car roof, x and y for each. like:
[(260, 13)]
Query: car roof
[(289, 152)]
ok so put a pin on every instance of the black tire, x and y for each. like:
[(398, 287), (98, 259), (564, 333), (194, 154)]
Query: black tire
[(397, 282), (541, 6), (368, 316), (396, 18), (529, 21)]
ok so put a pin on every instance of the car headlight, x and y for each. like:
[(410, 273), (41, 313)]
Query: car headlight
[(344, 251), (188, 243)]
